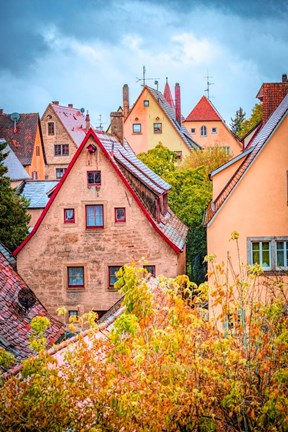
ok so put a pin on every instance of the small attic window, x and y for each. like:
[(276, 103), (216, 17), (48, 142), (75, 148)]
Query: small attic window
[(146, 103), (51, 128)]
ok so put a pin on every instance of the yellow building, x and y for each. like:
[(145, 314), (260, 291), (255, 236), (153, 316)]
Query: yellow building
[(154, 119), (208, 128)]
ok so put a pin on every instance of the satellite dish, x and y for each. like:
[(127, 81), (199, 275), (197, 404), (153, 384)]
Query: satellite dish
[(15, 116), (26, 298), (82, 110)]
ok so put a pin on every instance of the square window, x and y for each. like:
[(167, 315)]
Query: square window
[(51, 128), (75, 277), (94, 216), (61, 149), (157, 127), (193, 130), (137, 128), (69, 215), (112, 275), (120, 214), (60, 172), (214, 130), (146, 103), (94, 178), (150, 269)]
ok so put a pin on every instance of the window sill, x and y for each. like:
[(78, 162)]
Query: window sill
[(136, 133), (79, 288)]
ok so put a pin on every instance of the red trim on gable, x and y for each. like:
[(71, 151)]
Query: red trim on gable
[(120, 174)]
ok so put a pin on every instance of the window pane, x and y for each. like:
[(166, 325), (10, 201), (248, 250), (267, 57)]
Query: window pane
[(57, 150), (137, 128), (281, 254), (157, 127), (255, 253), (94, 216), (65, 150), (94, 177), (265, 254), (112, 274), (120, 214), (75, 276), (69, 215), (150, 269)]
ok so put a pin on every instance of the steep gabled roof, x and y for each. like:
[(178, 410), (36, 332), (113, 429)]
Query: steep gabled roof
[(169, 227), (21, 139), (37, 192), (16, 171), (259, 143), (18, 305), (73, 120), (168, 95), (204, 111), (170, 113)]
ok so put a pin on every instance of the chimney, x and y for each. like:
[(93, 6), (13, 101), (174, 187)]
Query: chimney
[(1, 110), (55, 102), (87, 119), (126, 108), (271, 95), (70, 105), (178, 104), (117, 123)]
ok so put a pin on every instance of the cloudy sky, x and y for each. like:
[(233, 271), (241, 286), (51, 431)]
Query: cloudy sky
[(83, 51)]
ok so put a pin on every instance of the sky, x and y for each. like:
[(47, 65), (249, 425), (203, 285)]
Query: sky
[(84, 51)]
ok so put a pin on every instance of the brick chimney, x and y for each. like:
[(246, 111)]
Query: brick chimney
[(117, 125), (126, 108), (55, 102), (70, 105), (178, 104), (271, 95), (87, 119)]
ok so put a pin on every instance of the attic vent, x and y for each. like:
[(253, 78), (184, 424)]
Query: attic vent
[(26, 298)]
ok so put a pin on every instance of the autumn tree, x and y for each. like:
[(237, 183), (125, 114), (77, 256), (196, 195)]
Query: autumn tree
[(164, 366), (14, 218), (160, 159)]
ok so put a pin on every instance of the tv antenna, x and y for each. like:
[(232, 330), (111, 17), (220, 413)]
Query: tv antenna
[(144, 79), (209, 83), (100, 127), (15, 118)]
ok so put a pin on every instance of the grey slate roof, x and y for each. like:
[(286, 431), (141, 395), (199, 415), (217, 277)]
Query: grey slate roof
[(37, 192), (171, 114), (172, 227), (8, 255), (16, 171)]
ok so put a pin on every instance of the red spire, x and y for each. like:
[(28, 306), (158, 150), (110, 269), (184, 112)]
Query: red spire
[(168, 95)]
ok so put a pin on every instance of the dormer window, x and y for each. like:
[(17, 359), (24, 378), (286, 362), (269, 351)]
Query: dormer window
[(94, 178), (51, 128)]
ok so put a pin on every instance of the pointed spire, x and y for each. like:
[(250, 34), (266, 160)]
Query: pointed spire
[(168, 95)]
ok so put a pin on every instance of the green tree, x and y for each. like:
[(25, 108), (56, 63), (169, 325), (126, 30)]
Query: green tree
[(14, 218), (236, 123), (160, 159), (256, 117)]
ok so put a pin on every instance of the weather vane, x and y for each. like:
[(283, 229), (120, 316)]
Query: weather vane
[(208, 85), (144, 79)]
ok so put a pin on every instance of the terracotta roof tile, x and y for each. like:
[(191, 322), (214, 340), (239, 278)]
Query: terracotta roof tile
[(204, 111), (21, 139), (18, 305)]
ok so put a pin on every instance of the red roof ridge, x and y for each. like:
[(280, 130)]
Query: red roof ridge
[(204, 110)]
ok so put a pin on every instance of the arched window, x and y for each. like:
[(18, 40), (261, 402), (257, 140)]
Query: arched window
[(203, 131)]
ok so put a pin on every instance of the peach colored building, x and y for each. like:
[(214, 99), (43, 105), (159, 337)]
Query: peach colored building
[(109, 209), (208, 128), (154, 119), (64, 129), (23, 133), (250, 196)]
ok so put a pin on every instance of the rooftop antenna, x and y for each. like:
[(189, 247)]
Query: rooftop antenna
[(208, 85), (144, 79), (100, 127), (15, 118)]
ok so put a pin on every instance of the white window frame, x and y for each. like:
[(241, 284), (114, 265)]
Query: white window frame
[(273, 241)]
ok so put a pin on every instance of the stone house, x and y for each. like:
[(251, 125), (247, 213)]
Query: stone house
[(24, 136), (155, 118), (64, 129), (208, 128), (250, 197), (109, 209)]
